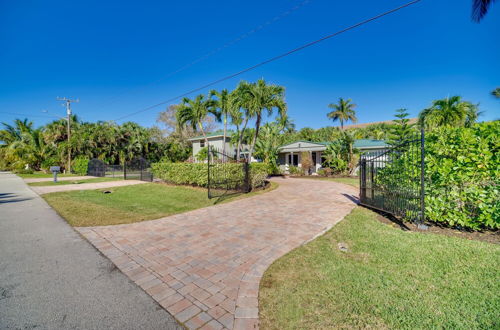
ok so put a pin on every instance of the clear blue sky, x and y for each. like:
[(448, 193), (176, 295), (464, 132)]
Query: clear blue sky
[(111, 54)]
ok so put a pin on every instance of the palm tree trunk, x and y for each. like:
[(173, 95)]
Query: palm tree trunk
[(205, 137), (224, 145), (240, 139), (257, 126)]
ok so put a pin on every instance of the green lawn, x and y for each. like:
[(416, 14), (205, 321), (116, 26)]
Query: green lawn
[(388, 279), (59, 183), (131, 203)]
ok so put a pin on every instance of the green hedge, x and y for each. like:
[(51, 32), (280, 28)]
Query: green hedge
[(197, 173), (462, 176)]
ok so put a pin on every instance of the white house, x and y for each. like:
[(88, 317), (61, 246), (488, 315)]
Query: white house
[(290, 154), (216, 141)]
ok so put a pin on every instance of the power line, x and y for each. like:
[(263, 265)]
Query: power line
[(216, 50), (274, 58), (27, 115)]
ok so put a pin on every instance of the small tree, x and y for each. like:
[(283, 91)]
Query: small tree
[(402, 129)]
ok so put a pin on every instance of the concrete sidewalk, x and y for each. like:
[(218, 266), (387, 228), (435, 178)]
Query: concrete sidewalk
[(51, 278), (60, 178), (84, 186)]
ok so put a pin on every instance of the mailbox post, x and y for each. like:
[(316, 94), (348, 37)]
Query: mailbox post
[(55, 170)]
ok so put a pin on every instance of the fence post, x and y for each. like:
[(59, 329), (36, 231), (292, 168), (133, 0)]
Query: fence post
[(362, 181), (124, 170), (421, 224), (246, 167), (208, 171)]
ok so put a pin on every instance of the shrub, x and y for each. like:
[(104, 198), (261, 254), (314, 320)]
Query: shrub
[(295, 170), (462, 176), (325, 171), (80, 165), (47, 163), (202, 155), (197, 173)]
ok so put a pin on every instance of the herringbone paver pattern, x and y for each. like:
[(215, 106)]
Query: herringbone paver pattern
[(204, 266)]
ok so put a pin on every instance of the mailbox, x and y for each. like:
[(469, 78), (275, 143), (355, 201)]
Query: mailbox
[(55, 170)]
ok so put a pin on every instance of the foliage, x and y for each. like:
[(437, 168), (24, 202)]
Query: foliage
[(194, 112), (267, 146), (325, 171), (80, 165), (462, 168), (340, 155), (295, 170), (197, 174), (202, 155), (343, 111), (496, 92), (449, 112), (480, 9), (22, 145), (402, 130)]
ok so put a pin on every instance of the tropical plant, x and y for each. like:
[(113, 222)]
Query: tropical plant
[(225, 104), (449, 112), (480, 9), (267, 145), (258, 97), (343, 111), (402, 129), (195, 111)]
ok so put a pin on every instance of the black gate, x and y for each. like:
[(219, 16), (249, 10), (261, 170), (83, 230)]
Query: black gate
[(226, 175), (137, 169), (96, 167), (393, 180)]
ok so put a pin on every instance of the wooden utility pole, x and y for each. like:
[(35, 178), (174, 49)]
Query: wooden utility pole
[(68, 119)]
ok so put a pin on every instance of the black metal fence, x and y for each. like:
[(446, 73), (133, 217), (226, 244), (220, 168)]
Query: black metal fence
[(226, 175), (138, 169), (393, 180)]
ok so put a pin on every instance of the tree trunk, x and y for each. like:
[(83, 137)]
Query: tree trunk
[(240, 138), (257, 126), (224, 145), (206, 139)]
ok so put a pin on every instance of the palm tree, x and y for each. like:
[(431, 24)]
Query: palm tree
[(451, 111), (224, 104), (343, 111), (496, 92), (257, 97), (194, 112), (480, 9)]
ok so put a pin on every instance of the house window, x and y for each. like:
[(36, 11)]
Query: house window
[(202, 144)]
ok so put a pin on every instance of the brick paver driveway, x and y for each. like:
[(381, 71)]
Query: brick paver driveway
[(204, 266)]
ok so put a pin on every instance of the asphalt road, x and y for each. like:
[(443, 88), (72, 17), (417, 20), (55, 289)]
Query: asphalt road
[(51, 278)]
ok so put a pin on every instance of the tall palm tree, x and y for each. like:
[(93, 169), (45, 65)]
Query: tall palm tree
[(259, 97), (194, 112), (224, 103), (480, 9), (451, 111), (343, 111)]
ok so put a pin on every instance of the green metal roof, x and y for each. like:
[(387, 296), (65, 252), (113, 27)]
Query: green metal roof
[(216, 133), (367, 143), (362, 143)]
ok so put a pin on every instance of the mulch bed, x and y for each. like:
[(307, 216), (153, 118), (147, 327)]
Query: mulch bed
[(485, 236)]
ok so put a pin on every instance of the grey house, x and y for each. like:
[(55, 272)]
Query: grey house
[(290, 154)]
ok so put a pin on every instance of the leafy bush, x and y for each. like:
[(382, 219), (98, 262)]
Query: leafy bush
[(197, 173), (325, 171), (202, 155), (80, 165), (47, 163), (462, 175), (295, 170)]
